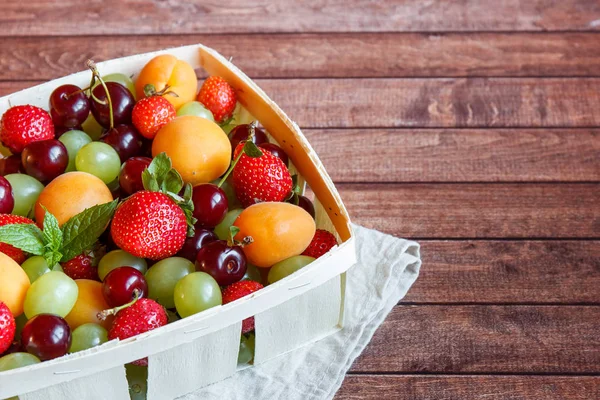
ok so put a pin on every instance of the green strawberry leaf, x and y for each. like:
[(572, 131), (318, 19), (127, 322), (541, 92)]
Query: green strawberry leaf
[(53, 238), (233, 230), (26, 237), (173, 182), (252, 150), (149, 181), (160, 166), (149, 90), (81, 232)]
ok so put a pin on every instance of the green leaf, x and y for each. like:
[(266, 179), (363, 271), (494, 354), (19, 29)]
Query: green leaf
[(233, 230), (81, 232), (251, 150), (149, 181), (173, 182), (160, 166), (149, 90), (26, 237), (53, 238)]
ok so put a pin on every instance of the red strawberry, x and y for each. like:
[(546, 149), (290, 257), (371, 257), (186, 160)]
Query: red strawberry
[(7, 328), (22, 125), (320, 244), (81, 267), (142, 316), (149, 225), (238, 290), (260, 179), (13, 252), (218, 96), (152, 113)]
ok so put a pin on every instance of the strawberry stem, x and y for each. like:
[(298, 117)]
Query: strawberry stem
[(102, 315), (251, 134), (95, 74)]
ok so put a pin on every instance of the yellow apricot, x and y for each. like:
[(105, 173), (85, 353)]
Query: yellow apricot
[(90, 302), (13, 284)]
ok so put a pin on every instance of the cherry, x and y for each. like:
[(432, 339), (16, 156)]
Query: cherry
[(241, 132), (45, 160), (7, 200), (210, 204), (192, 245), (46, 336), (125, 139), (69, 106), (276, 151), (306, 204), (122, 104), (227, 264), (120, 284), (130, 177), (11, 165)]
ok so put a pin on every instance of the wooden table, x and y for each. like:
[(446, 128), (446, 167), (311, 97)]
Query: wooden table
[(471, 126)]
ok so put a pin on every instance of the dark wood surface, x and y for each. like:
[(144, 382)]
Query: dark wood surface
[(472, 126)]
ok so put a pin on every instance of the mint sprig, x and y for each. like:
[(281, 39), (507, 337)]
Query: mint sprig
[(53, 239), (26, 237)]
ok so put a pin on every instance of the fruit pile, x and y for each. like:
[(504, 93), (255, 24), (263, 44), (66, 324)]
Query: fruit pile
[(130, 205)]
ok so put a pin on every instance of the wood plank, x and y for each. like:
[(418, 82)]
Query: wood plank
[(476, 210), (508, 272), (329, 55), (449, 387), (447, 102), (465, 155), (486, 339), (238, 16)]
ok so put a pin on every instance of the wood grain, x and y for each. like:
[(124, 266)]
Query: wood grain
[(449, 387), (140, 17), (464, 155), (486, 339), (476, 102), (329, 55), (562, 272), (476, 210)]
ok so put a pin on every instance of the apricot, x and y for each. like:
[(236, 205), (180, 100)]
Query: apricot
[(168, 70), (13, 284), (71, 193), (90, 302), (199, 149), (278, 230)]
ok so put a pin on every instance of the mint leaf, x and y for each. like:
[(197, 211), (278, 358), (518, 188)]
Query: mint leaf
[(53, 237), (251, 150), (82, 230), (26, 237)]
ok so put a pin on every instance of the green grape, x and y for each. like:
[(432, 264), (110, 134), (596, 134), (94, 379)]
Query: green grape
[(92, 127), (17, 360), (119, 258), (246, 354), (26, 191), (252, 274), (121, 79), (52, 293), (137, 378), (99, 159), (195, 293), (164, 275), (36, 266), (241, 115), (87, 336), (195, 108), (73, 141), (222, 230), (288, 267)]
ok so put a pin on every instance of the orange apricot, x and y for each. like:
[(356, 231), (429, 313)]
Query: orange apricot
[(14, 284), (90, 302), (199, 149), (168, 70), (278, 230), (71, 193)]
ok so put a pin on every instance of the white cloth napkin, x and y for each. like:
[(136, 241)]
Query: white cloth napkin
[(386, 269)]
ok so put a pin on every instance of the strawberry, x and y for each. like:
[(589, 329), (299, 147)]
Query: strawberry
[(13, 252), (218, 96), (8, 327), (152, 113), (320, 244), (22, 125), (260, 179), (238, 290), (149, 225), (81, 267), (142, 316)]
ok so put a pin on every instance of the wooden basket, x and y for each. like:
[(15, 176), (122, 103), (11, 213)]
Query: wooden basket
[(202, 349)]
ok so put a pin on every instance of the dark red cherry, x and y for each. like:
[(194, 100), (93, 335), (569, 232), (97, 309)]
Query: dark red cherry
[(276, 151), (125, 139), (69, 106), (192, 245), (46, 336), (306, 204), (7, 200), (45, 160), (11, 165), (120, 284), (210, 204), (241, 132), (122, 104), (130, 177), (227, 264)]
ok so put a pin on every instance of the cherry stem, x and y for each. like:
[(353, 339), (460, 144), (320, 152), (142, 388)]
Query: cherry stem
[(95, 74), (251, 134), (102, 315)]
